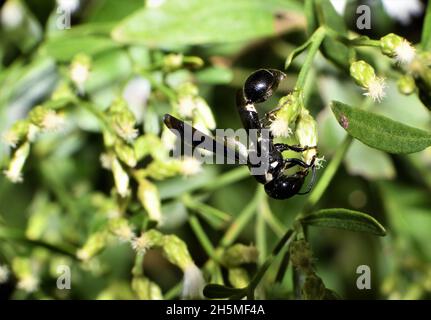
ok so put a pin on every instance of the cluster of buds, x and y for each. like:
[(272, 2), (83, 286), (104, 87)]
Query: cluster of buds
[(191, 106), (26, 271), (365, 76)]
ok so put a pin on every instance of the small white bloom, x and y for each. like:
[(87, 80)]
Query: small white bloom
[(168, 139), (136, 94), (280, 128), (33, 130), (10, 138), (79, 73), (405, 53), (339, 6), (106, 160), (83, 254), (121, 178), (154, 3), (194, 283), (141, 244), (68, 5), (4, 274), (53, 121), (186, 105), (190, 166), (126, 131), (12, 14), (403, 10), (376, 89), (28, 283), (125, 233), (13, 173)]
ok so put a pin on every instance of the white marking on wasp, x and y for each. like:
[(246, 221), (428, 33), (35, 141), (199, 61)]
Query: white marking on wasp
[(250, 107)]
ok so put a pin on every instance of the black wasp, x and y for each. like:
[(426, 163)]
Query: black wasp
[(258, 87)]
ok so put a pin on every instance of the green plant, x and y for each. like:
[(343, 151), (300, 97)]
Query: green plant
[(94, 96)]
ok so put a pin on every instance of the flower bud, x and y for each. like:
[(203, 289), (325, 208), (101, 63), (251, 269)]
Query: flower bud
[(120, 227), (16, 133), (125, 153), (173, 61), (397, 47), (146, 289), (23, 269), (121, 178), (238, 277), (147, 240), (14, 171), (364, 76), (148, 195), (313, 288), (239, 254), (193, 283), (301, 256), (94, 244), (306, 132), (79, 70), (176, 252), (406, 85), (46, 118), (283, 120), (204, 114)]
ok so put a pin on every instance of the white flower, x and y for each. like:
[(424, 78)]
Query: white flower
[(403, 10), (190, 166), (106, 160), (136, 94), (280, 128), (125, 233), (68, 5), (194, 283), (12, 14), (154, 3), (79, 73), (339, 6), (10, 138), (28, 283), (186, 105), (141, 244), (53, 121), (13, 173), (4, 274), (121, 178), (376, 89), (126, 131), (405, 52)]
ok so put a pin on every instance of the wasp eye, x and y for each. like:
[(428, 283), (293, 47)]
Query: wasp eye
[(261, 84)]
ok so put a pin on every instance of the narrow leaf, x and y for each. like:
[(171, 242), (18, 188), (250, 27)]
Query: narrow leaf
[(426, 30), (179, 22), (380, 132), (345, 219), (217, 291)]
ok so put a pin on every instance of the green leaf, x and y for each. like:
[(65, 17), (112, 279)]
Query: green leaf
[(380, 132), (217, 291), (64, 48), (426, 30), (191, 22), (214, 75), (345, 219), (296, 52)]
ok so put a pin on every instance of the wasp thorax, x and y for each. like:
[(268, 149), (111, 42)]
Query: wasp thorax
[(260, 85)]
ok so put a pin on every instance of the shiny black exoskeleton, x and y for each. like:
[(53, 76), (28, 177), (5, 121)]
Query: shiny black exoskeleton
[(258, 87)]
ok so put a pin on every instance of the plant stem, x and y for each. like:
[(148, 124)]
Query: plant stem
[(262, 270), (261, 235), (243, 218), (316, 40), (228, 178), (7, 233), (202, 237)]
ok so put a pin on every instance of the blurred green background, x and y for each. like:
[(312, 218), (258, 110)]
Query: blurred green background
[(57, 202)]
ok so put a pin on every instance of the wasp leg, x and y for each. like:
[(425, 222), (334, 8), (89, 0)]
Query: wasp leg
[(283, 147)]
